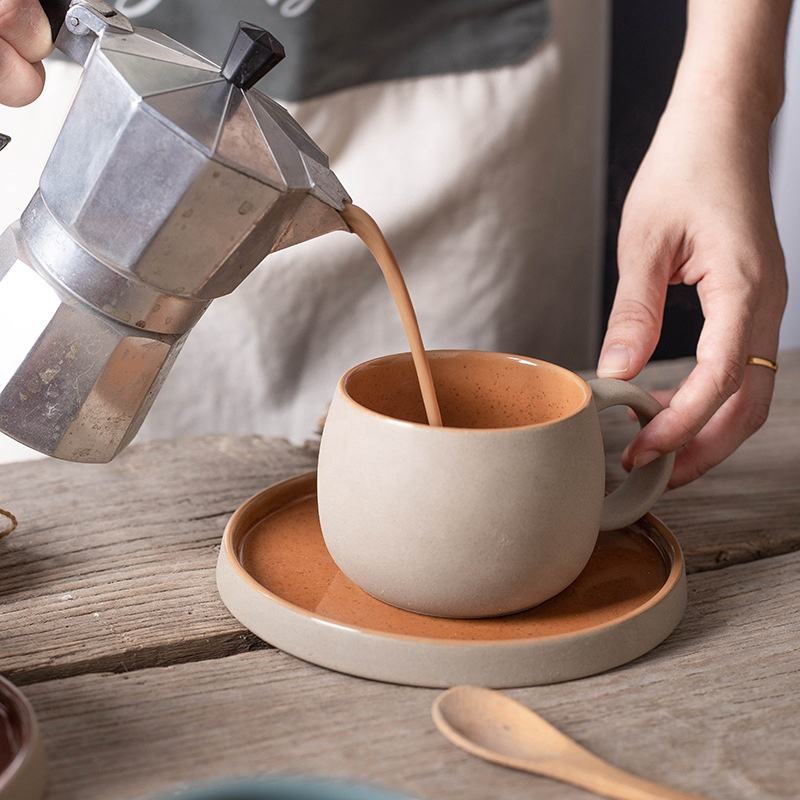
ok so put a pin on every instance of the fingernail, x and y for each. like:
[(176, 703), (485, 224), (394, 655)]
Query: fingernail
[(627, 464), (645, 458), (614, 360)]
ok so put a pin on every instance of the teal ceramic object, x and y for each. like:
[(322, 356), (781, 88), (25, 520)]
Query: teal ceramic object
[(285, 789)]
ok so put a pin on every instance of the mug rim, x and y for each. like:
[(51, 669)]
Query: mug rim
[(342, 391)]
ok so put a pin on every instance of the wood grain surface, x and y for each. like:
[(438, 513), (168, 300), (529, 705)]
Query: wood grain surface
[(110, 617), (112, 567), (714, 710)]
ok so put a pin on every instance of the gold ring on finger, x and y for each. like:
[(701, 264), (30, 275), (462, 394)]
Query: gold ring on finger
[(760, 361)]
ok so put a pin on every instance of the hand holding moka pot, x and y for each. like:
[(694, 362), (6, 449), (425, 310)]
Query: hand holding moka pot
[(171, 179)]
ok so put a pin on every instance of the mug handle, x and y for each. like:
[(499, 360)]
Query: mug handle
[(640, 490)]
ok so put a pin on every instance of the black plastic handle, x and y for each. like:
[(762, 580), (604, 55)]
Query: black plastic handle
[(56, 11), (252, 54)]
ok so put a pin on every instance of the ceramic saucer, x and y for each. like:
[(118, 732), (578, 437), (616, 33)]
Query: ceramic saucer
[(276, 577), (22, 764)]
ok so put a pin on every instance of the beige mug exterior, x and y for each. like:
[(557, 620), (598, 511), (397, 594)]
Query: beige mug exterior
[(458, 522)]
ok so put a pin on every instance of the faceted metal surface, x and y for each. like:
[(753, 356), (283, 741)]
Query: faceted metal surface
[(147, 76), (241, 142), (283, 151), (196, 111), (73, 384), (173, 82), (186, 185), (116, 294), (176, 48), (191, 248), (147, 43), (166, 187)]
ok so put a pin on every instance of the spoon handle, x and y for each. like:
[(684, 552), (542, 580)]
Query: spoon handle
[(602, 778)]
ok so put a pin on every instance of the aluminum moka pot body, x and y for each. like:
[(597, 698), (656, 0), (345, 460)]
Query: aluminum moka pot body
[(172, 178)]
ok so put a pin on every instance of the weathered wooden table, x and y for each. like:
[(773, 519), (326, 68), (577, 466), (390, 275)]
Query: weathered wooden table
[(109, 617)]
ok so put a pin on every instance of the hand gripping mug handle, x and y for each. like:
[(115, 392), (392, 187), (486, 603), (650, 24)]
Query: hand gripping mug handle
[(643, 486)]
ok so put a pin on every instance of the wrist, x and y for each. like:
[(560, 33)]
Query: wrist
[(733, 57), (723, 97), (721, 73)]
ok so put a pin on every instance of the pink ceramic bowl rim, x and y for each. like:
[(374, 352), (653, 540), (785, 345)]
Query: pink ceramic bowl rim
[(11, 696)]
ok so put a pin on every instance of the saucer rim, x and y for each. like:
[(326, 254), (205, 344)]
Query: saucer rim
[(676, 571)]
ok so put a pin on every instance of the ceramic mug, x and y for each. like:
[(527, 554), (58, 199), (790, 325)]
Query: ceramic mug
[(491, 515)]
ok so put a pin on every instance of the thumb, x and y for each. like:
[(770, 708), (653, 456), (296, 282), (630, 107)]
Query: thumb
[(24, 25), (635, 322)]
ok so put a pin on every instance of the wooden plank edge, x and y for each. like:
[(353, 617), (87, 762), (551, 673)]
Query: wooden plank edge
[(205, 648)]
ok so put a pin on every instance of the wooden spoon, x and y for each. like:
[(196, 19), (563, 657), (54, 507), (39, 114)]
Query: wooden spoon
[(494, 727)]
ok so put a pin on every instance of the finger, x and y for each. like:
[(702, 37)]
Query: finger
[(664, 396), (738, 419), (20, 82), (746, 411), (24, 25), (635, 322), (721, 356)]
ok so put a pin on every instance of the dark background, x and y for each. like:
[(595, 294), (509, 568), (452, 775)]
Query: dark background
[(646, 44)]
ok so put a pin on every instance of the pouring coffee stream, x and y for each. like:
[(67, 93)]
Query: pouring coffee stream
[(368, 231)]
